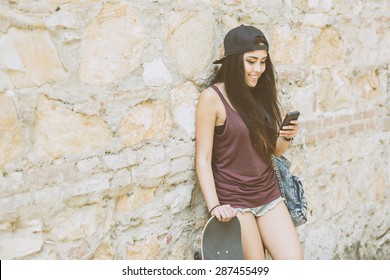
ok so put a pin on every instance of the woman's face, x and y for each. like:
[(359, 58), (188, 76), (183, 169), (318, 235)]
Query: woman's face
[(254, 66)]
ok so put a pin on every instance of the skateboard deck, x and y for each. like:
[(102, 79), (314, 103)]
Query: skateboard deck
[(222, 241)]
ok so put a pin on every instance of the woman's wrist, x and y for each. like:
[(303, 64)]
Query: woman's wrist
[(214, 208)]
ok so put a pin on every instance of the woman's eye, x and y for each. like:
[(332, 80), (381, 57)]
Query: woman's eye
[(250, 61)]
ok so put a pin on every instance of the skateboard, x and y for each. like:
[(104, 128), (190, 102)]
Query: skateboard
[(222, 241)]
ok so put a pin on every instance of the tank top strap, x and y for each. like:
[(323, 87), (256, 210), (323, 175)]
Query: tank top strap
[(225, 103)]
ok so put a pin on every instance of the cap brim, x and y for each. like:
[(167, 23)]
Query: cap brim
[(219, 61)]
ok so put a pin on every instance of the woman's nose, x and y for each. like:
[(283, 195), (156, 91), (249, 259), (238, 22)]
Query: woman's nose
[(257, 67)]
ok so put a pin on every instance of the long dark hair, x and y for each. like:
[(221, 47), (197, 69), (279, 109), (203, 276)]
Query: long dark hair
[(258, 106)]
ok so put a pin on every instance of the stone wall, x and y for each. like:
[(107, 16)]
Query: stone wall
[(97, 102)]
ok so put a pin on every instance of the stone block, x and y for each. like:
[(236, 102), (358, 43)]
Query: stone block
[(144, 250), (151, 155), (125, 158), (289, 46), (184, 99), (88, 166), (135, 199), (49, 175), (179, 149), (59, 131), (31, 58), (150, 120), (104, 252), (10, 183), (112, 45), (317, 20), (80, 252), (179, 178), (22, 241), (183, 31), (11, 139), (150, 175), (328, 48), (74, 224), (13, 203), (320, 244), (62, 18), (335, 91), (121, 178), (68, 191), (92, 185), (156, 73), (179, 198), (367, 90), (182, 164)]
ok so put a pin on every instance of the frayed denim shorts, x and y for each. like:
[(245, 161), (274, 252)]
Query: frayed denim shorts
[(261, 210)]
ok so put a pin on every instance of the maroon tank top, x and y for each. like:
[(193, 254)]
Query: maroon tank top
[(242, 178)]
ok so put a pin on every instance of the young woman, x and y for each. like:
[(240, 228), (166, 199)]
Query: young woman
[(237, 132)]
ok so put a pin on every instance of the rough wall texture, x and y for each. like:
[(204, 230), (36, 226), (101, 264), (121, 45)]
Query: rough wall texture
[(97, 102)]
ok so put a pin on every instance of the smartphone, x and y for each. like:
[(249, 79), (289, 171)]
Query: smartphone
[(291, 116)]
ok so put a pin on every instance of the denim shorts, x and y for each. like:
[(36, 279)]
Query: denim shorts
[(261, 210)]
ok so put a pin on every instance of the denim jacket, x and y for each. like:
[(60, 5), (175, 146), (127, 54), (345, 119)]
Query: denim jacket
[(291, 189)]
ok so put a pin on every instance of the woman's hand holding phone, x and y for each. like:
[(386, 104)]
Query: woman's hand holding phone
[(290, 126)]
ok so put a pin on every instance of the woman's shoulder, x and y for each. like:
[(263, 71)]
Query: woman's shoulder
[(209, 98), (210, 93), (210, 104)]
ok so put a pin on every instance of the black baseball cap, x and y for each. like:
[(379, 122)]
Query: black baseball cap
[(242, 39)]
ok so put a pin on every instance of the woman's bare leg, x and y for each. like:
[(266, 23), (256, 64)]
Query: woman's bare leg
[(251, 240), (279, 235)]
